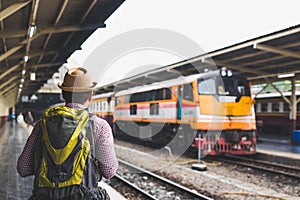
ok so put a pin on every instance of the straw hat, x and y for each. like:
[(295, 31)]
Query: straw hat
[(77, 80)]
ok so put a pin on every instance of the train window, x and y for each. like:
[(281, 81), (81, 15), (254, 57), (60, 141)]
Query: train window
[(286, 107), (153, 95), (167, 93), (188, 92), (264, 107), (275, 107), (117, 100), (133, 109), (241, 90), (207, 86), (154, 109), (221, 90), (133, 98), (233, 87), (126, 98), (159, 94), (298, 106), (243, 87)]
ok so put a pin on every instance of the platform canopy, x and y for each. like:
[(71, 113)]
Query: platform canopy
[(259, 60), (37, 36)]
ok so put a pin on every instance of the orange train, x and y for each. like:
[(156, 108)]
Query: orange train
[(213, 111)]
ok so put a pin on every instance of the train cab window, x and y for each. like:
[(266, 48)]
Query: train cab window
[(241, 90), (133, 109), (188, 92), (264, 107), (207, 86), (243, 87), (221, 90), (233, 87)]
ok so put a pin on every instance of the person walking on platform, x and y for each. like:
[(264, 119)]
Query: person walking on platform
[(12, 118), (29, 119), (20, 119), (69, 149)]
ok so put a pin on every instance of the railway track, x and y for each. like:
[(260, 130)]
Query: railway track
[(275, 168), (153, 186)]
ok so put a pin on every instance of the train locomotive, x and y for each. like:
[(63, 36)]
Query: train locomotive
[(212, 111)]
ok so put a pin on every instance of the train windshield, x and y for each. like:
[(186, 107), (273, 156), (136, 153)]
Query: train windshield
[(225, 86)]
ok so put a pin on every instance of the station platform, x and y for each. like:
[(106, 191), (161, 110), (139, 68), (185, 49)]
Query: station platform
[(13, 186), (278, 147)]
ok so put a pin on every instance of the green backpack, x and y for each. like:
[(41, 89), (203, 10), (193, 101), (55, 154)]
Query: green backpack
[(65, 168)]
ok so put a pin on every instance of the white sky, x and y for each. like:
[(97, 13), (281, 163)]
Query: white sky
[(212, 24)]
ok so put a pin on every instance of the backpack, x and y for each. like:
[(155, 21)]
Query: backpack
[(66, 168)]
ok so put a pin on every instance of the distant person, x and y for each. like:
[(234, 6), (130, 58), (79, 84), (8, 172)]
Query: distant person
[(12, 118), (69, 149), (29, 119), (20, 119)]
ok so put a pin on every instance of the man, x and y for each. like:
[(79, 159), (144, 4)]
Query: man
[(29, 119), (20, 119), (12, 118), (51, 154)]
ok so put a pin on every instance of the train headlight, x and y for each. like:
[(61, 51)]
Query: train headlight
[(223, 72)]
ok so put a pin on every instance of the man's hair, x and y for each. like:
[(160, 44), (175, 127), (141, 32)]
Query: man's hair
[(75, 97)]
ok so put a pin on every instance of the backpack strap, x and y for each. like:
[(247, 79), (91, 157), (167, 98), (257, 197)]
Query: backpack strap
[(94, 174)]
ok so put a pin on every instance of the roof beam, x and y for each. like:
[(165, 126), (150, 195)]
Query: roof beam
[(9, 88), (52, 30), (46, 65), (8, 82), (12, 92), (271, 75), (10, 52), (33, 54), (239, 68), (151, 77), (277, 50), (297, 62), (62, 9), (12, 9), (9, 70)]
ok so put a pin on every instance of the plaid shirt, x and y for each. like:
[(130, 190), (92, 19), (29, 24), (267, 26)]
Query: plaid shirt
[(104, 148)]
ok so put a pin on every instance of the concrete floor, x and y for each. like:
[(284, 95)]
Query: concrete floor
[(12, 141)]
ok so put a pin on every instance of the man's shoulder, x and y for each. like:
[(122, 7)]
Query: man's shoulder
[(97, 119)]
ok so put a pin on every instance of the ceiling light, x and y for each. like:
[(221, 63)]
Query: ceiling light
[(22, 80), (23, 71), (286, 75), (20, 85), (31, 30), (32, 76), (26, 58)]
